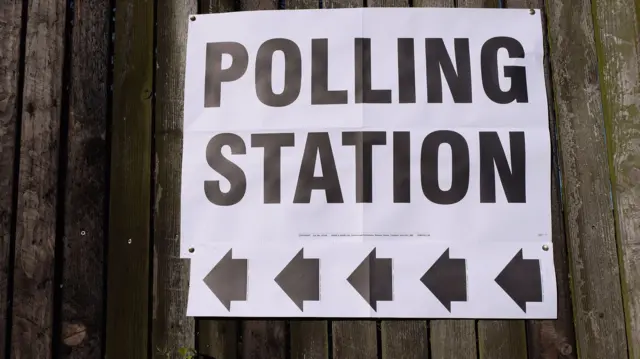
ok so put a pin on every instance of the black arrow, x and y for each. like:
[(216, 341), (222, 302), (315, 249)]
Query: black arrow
[(300, 279), (228, 280), (521, 280), (447, 280), (373, 279)]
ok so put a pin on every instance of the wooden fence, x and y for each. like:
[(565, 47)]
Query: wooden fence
[(90, 146)]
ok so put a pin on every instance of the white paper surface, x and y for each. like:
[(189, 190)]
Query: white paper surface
[(414, 233)]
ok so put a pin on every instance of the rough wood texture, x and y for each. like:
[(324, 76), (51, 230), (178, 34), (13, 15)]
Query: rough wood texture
[(354, 339), (617, 30), (455, 339), (171, 330), (599, 320), (309, 339), (37, 185), (552, 338), (406, 339), (264, 339), (10, 28), (218, 338), (82, 275), (130, 203)]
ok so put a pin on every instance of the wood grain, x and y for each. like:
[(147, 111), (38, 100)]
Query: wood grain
[(130, 184), (589, 224), (617, 31), (354, 339), (83, 242), (264, 339), (37, 185), (172, 329), (10, 92), (552, 339)]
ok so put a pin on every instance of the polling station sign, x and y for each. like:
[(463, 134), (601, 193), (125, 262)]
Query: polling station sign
[(373, 162)]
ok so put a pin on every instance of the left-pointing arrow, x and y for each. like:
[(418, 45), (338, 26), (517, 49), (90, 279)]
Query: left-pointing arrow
[(447, 280), (300, 279), (521, 280), (228, 280)]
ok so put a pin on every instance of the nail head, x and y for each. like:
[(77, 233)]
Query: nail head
[(532, 11), (191, 250), (545, 247), (193, 18)]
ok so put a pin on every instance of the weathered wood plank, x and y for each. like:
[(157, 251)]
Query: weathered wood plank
[(10, 28), (259, 339), (172, 329), (617, 30), (450, 339), (404, 339), (309, 338), (37, 186), (82, 274), (264, 339), (552, 338), (599, 320), (130, 185), (218, 338), (355, 339)]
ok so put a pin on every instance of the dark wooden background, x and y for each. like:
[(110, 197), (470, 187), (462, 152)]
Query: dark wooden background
[(90, 154)]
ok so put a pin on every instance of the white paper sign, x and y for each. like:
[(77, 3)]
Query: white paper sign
[(372, 162)]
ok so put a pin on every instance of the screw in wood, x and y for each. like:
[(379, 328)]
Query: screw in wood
[(545, 247), (532, 11), (191, 250), (193, 18)]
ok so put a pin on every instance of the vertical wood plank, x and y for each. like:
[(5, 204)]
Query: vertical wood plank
[(218, 338), (171, 328), (85, 188), (598, 310), (552, 338), (309, 338), (498, 339), (263, 339), (355, 339), (130, 184), (617, 31), (450, 339), (403, 339), (10, 91), (37, 185)]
